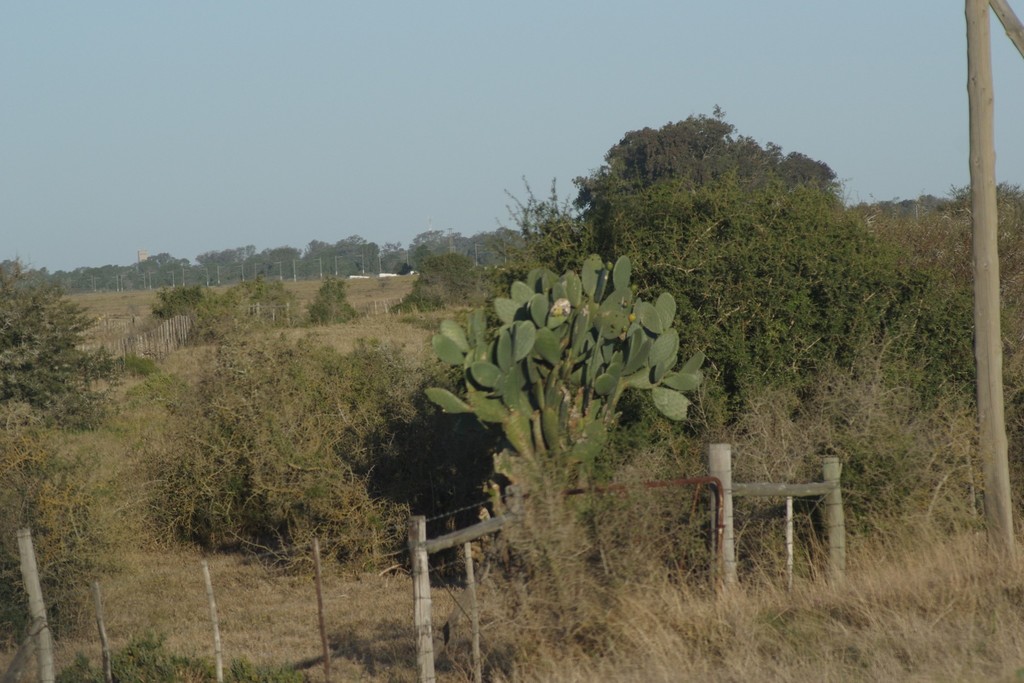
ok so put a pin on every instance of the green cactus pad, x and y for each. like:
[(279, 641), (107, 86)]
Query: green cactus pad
[(649, 317), (693, 365), (485, 374), (621, 274), (637, 352), (640, 379), (448, 350), (671, 403), (449, 402), (487, 409), (503, 349), (523, 336), (548, 345), (454, 331), (666, 306), (477, 326), (682, 381), (521, 292), (539, 309), (665, 348), (573, 288), (605, 384), (506, 310), (590, 274)]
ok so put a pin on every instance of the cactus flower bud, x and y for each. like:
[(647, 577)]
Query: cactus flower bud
[(561, 307)]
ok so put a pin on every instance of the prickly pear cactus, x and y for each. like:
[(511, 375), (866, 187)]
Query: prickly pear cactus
[(568, 347)]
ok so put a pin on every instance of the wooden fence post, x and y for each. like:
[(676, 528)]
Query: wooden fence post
[(720, 466), (474, 611), (835, 519), (108, 674), (789, 543), (218, 655), (36, 606), (320, 610), (421, 599)]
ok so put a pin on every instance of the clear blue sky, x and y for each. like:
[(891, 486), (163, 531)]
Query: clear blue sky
[(189, 126)]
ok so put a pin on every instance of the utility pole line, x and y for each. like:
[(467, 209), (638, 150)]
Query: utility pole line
[(988, 352)]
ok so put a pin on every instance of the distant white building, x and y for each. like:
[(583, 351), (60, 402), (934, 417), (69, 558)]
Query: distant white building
[(143, 255)]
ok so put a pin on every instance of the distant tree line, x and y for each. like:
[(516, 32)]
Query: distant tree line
[(351, 256)]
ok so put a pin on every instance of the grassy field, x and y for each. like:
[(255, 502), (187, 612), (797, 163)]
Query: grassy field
[(364, 295), (915, 607)]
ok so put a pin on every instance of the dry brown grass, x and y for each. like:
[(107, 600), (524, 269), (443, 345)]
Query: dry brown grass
[(265, 616), (916, 606), (942, 612)]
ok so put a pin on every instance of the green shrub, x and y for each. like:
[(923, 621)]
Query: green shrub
[(139, 366), (936, 237), (251, 303), (331, 306), (146, 660), (265, 301), (275, 446), (905, 466), (281, 441), (44, 361), (445, 280), (175, 301), (774, 284), (44, 492)]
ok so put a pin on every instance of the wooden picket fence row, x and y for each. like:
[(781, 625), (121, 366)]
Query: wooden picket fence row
[(157, 343), (724, 574)]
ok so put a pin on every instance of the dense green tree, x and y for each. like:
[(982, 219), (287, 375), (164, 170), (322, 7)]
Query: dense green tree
[(226, 257), (776, 283), (351, 256), (551, 234), (775, 279), (331, 306), (43, 359), (172, 301), (274, 263), (696, 151), (501, 245), (425, 244), (392, 257), (446, 280)]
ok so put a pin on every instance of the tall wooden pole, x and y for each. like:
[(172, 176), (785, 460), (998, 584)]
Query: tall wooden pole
[(1014, 29), (987, 339)]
